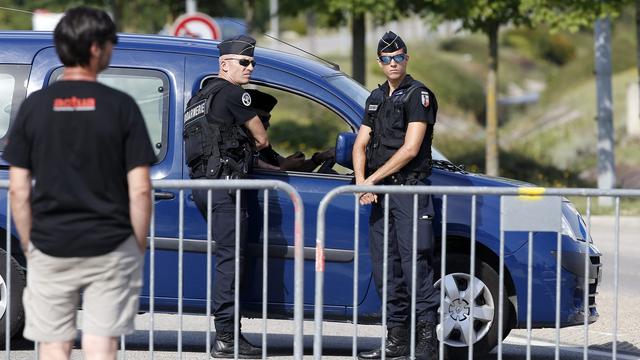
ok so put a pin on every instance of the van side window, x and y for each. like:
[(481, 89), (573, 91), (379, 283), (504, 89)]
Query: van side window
[(12, 91), (150, 90), (301, 124)]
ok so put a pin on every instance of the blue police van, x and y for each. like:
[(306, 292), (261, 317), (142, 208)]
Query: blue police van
[(162, 73)]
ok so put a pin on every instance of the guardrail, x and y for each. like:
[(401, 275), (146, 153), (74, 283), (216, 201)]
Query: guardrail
[(210, 185), (530, 210)]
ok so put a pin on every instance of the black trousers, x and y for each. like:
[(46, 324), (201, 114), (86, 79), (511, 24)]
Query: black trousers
[(400, 254), (223, 231)]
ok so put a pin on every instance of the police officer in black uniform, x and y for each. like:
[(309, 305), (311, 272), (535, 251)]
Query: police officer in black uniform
[(222, 134), (393, 147)]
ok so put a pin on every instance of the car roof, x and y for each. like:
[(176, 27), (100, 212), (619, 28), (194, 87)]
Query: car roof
[(23, 46)]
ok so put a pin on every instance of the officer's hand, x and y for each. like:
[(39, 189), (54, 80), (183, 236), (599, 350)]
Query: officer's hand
[(292, 162), (368, 198), (321, 157)]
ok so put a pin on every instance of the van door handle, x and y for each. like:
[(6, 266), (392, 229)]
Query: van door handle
[(164, 195)]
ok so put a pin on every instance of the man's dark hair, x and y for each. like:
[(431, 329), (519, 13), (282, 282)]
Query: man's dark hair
[(78, 30)]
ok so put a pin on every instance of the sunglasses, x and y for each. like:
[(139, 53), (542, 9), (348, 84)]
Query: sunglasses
[(386, 59), (244, 62)]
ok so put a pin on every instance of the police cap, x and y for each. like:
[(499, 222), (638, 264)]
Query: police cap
[(390, 42), (239, 45), (262, 103)]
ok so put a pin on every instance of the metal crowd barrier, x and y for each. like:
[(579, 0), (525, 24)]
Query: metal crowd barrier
[(229, 185), (551, 199)]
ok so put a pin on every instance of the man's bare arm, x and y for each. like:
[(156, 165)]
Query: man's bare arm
[(20, 193), (140, 203), (255, 127), (359, 153), (409, 150), (359, 159)]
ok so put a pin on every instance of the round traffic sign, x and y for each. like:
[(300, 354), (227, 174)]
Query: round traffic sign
[(196, 25)]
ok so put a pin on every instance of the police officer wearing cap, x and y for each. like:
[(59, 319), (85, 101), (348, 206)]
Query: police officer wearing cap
[(393, 147), (222, 134)]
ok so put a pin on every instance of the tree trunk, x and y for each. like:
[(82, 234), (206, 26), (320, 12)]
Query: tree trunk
[(606, 144), (638, 47), (117, 11), (358, 56), (249, 9), (492, 161), (311, 31)]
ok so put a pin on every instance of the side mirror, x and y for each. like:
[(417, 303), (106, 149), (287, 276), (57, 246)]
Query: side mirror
[(344, 148)]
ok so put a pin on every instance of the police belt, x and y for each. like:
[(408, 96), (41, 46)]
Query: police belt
[(400, 178)]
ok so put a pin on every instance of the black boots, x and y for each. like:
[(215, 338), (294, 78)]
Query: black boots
[(223, 347), (396, 347), (426, 341)]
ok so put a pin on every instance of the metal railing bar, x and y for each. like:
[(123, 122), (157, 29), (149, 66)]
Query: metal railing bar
[(265, 269), (356, 247), (7, 314), (529, 291), (616, 276), (180, 268), (414, 269), (385, 277), (443, 266), (152, 275), (501, 281), (123, 355), (236, 292), (473, 276), (587, 312), (480, 190), (558, 293), (209, 268)]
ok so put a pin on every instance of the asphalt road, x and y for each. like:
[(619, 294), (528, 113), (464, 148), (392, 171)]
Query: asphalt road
[(337, 342)]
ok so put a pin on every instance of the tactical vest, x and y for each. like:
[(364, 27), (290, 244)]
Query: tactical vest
[(389, 130), (213, 148)]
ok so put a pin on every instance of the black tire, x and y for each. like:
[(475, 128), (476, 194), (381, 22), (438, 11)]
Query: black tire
[(457, 263), (18, 282)]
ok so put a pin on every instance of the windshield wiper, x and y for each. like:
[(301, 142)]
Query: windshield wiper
[(449, 166)]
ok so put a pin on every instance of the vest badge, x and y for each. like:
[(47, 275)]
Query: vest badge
[(425, 98)]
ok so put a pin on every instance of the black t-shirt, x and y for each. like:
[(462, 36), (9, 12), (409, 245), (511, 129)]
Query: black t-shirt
[(79, 139), (232, 104)]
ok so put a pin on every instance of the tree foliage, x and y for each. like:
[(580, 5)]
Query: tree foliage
[(571, 15), (477, 15)]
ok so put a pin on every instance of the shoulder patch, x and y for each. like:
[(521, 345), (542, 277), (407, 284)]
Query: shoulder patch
[(246, 99), (424, 97)]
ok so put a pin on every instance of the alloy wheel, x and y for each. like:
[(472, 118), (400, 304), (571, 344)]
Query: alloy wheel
[(458, 329)]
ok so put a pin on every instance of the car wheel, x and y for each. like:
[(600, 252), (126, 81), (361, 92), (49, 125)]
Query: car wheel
[(458, 300), (18, 282)]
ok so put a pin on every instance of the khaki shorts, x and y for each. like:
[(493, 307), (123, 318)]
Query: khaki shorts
[(110, 284)]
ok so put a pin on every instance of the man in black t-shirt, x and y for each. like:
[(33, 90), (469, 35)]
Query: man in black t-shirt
[(393, 147), (237, 133), (83, 226)]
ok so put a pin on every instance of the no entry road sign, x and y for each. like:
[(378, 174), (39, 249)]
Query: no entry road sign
[(196, 25)]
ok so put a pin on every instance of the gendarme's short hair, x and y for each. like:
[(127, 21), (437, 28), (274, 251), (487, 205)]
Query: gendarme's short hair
[(239, 45), (78, 29), (391, 42)]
